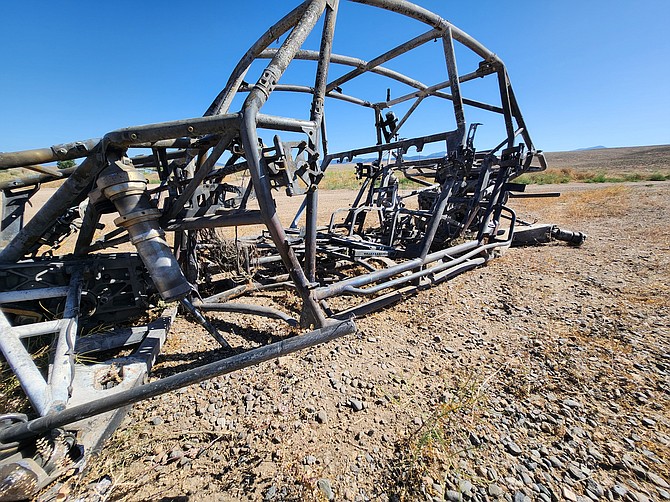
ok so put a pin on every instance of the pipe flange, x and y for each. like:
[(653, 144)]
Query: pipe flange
[(137, 217), (117, 191), (119, 176)]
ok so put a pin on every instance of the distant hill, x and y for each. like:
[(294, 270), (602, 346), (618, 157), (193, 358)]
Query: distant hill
[(632, 159), (590, 148)]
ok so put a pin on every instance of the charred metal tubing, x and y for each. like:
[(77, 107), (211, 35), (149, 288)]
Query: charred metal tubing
[(63, 199), (541, 195), (252, 357), (436, 219), (424, 90), (242, 289), (573, 238), (447, 266), (347, 61), (31, 178), (245, 308), (211, 329), (228, 219), (38, 328), (257, 97), (387, 56), (312, 200), (222, 102), (452, 70), (26, 295), (341, 287), (316, 116), (449, 269), (148, 135), (425, 16), (199, 176), (67, 151), (404, 145), (305, 89), (432, 90)]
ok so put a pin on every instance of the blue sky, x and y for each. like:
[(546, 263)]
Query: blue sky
[(586, 73)]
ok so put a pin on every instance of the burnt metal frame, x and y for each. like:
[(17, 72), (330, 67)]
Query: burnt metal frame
[(195, 145)]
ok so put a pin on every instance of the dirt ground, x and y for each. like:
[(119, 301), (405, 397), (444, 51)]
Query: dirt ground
[(541, 376)]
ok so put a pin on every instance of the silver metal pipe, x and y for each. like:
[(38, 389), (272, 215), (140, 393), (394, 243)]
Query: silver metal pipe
[(38, 328), (245, 308), (362, 280), (61, 371), (125, 187), (222, 102), (26, 295), (22, 365)]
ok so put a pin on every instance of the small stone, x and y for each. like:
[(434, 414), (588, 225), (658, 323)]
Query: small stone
[(658, 480), (595, 488), (648, 422), (568, 494), (619, 491), (494, 490), (513, 448), (520, 497), (663, 494), (453, 496), (575, 472), (464, 486), (175, 454), (324, 486), (156, 420), (321, 417), (355, 404), (271, 493), (597, 456), (571, 403), (639, 471), (556, 462), (641, 497)]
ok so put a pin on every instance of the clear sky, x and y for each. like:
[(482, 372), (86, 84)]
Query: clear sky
[(586, 73)]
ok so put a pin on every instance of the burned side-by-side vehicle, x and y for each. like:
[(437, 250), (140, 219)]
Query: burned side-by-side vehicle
[(416, 221)]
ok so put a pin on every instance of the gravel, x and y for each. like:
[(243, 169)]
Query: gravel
[(543, 376)]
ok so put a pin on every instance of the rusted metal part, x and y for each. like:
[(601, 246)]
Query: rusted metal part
[(221, 170)]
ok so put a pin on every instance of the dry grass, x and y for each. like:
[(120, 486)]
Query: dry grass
[(571, 175), (604, 202)]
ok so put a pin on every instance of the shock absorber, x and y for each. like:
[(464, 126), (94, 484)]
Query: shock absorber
[(125, 187)]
